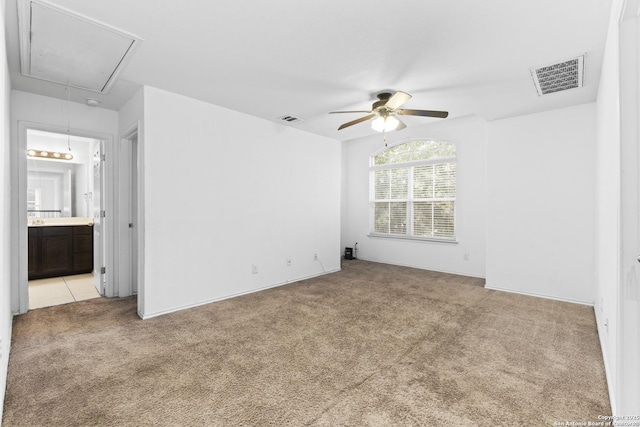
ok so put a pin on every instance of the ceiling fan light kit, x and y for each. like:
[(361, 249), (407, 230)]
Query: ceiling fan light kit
[(383, 112), (385, 124)]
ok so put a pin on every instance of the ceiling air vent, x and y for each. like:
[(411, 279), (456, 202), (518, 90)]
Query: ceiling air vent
[(290, 119), (558, 77), (61, 46)]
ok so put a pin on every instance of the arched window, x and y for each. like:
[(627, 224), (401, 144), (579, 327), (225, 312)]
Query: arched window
[(413, 190)]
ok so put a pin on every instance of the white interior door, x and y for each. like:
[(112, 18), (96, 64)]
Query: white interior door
[(128, 215), (628, 393), (631, 301), (98, 224), (134, 214)]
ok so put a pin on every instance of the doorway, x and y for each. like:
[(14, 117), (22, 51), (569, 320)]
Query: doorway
[(129, 229), (61, 208), (61, 188)]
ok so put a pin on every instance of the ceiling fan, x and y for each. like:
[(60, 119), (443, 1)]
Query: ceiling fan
[(384, 111)]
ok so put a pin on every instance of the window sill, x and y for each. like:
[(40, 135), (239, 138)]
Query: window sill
[(420, 239)]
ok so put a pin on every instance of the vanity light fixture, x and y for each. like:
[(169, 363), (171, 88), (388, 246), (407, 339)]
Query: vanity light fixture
[(49, 155)]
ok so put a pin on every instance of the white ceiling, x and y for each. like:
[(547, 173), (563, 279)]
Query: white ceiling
[(306, 58)]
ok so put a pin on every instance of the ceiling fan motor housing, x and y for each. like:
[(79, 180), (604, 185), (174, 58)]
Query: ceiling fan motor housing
[(383, 98)]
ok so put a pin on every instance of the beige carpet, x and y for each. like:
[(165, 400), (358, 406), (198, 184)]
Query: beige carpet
[(371, 345)]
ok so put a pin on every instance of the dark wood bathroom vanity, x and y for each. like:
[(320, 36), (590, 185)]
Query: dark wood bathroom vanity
[(60, 250)]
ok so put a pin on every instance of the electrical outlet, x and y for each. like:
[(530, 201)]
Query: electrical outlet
[(288, 262), (315, 257), (466, 256), (254, 269)]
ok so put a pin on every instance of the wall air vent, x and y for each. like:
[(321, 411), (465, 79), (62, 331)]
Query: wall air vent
[(61, 46), (290, 119), (558, 77)]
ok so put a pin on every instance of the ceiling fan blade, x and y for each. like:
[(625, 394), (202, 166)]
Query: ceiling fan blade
[(397, 99), (424, 113), (353, 111), (401, 124), (355, 122)]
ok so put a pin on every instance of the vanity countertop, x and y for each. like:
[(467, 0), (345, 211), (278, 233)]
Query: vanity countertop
[(59, 222)]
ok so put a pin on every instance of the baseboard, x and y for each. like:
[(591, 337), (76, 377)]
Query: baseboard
[(4, 368), (439, 270), (198, 304), (605, 359), (533, 294)]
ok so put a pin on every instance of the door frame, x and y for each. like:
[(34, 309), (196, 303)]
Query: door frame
[(98, 232), (123, 232), (20, 287)]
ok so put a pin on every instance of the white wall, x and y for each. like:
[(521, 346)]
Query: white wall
[(48, 112), (224, 191), (617, 233), (5, 225), (540, 204), (607, 256), (57, 112), (469, 135), (628, 394), (131, 113)]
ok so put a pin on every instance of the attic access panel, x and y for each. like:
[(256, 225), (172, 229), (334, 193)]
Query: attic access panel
[(60, 46)]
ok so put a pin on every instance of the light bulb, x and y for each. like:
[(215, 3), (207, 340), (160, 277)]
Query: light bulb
[(385, 124), (391, 123), (378, 124)]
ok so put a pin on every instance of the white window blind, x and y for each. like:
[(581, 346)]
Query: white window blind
[(390, 194), (413, 190)]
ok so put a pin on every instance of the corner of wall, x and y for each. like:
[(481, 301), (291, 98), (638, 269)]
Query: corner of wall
[(6, 315), (465, 258)]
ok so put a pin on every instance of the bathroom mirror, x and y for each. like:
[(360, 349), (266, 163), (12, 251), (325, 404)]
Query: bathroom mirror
[(59, 187), (49, 193)]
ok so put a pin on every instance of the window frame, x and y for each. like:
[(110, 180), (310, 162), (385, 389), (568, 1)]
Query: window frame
[(409, 200)]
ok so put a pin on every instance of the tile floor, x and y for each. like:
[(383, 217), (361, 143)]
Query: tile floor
[(61, 290)]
